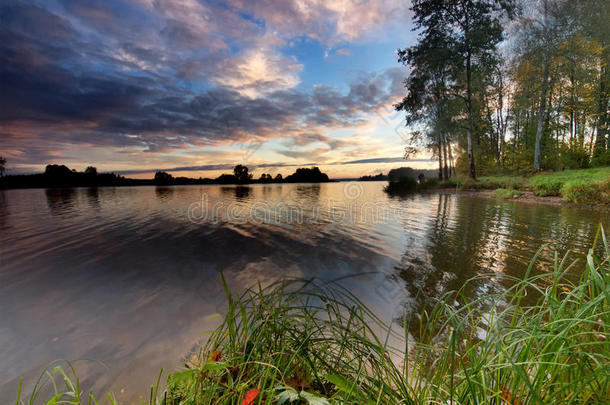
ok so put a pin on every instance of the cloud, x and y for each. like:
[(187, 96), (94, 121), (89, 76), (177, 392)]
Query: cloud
[(158, 76), (343, 51), (260, 72), (383, 160), (302, 153), (329, 21)]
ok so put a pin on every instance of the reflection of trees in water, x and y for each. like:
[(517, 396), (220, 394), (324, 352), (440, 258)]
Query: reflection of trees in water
[(60, 200), (484, 239), (3, 209), (240, 192), (306, 192), (164, 193), (93, 197)]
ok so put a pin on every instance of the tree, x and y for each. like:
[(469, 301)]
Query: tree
[(278, 177), (241, 174), (468, 31), (427, 99), (265, 178), (2, 166), (545, 79), (91, 171), (163, 178)]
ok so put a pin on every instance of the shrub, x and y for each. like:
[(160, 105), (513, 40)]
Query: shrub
[(428, 184), (602, 160), (402, 186)]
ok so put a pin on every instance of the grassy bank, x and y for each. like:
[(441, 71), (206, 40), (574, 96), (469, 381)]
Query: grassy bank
[(303, 343), (586, 186)]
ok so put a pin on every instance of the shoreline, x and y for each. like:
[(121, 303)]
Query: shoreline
[(526, 197)]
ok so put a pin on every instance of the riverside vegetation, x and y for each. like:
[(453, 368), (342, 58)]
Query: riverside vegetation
[(299, 342), (585, 186)]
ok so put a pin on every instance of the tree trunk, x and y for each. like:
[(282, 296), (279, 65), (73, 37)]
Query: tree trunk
[(471, 172), (445, 168), (440, 156), (602, 119), (545, 79)]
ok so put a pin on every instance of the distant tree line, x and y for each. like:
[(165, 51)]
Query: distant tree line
[(62, 176), (241, 175), (509, 85)]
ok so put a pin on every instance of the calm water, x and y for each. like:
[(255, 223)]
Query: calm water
[(130, 276)]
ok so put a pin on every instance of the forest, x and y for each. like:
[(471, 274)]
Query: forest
[(508, 86)]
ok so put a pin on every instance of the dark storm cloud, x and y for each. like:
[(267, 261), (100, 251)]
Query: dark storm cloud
[(93, 73)]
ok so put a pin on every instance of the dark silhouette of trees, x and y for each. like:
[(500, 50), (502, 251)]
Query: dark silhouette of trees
[(163, 178), (2, 166), (226, 179), (377, 177), (62, 176), (265, 178), (241, 174), (58, 171), (307, 175)]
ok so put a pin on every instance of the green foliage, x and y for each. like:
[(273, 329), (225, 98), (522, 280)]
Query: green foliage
[(603, 159), (576, 157)]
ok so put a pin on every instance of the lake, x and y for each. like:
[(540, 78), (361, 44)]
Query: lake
[(131, 276)]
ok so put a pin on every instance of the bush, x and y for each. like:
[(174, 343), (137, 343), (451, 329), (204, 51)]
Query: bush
[(577, 158), (428, 184), (602, 160), (402, 186)]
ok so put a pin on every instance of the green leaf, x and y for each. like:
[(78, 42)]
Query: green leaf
[(343, 384), (313, 399), (288, 395)]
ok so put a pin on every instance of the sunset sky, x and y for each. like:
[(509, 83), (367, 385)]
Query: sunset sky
[(196, 86)]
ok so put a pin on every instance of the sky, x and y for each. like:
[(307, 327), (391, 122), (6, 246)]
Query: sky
[(195, 87)]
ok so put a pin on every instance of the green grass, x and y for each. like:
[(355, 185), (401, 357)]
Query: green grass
[(585, 186), (507, 193), (305, 343)]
